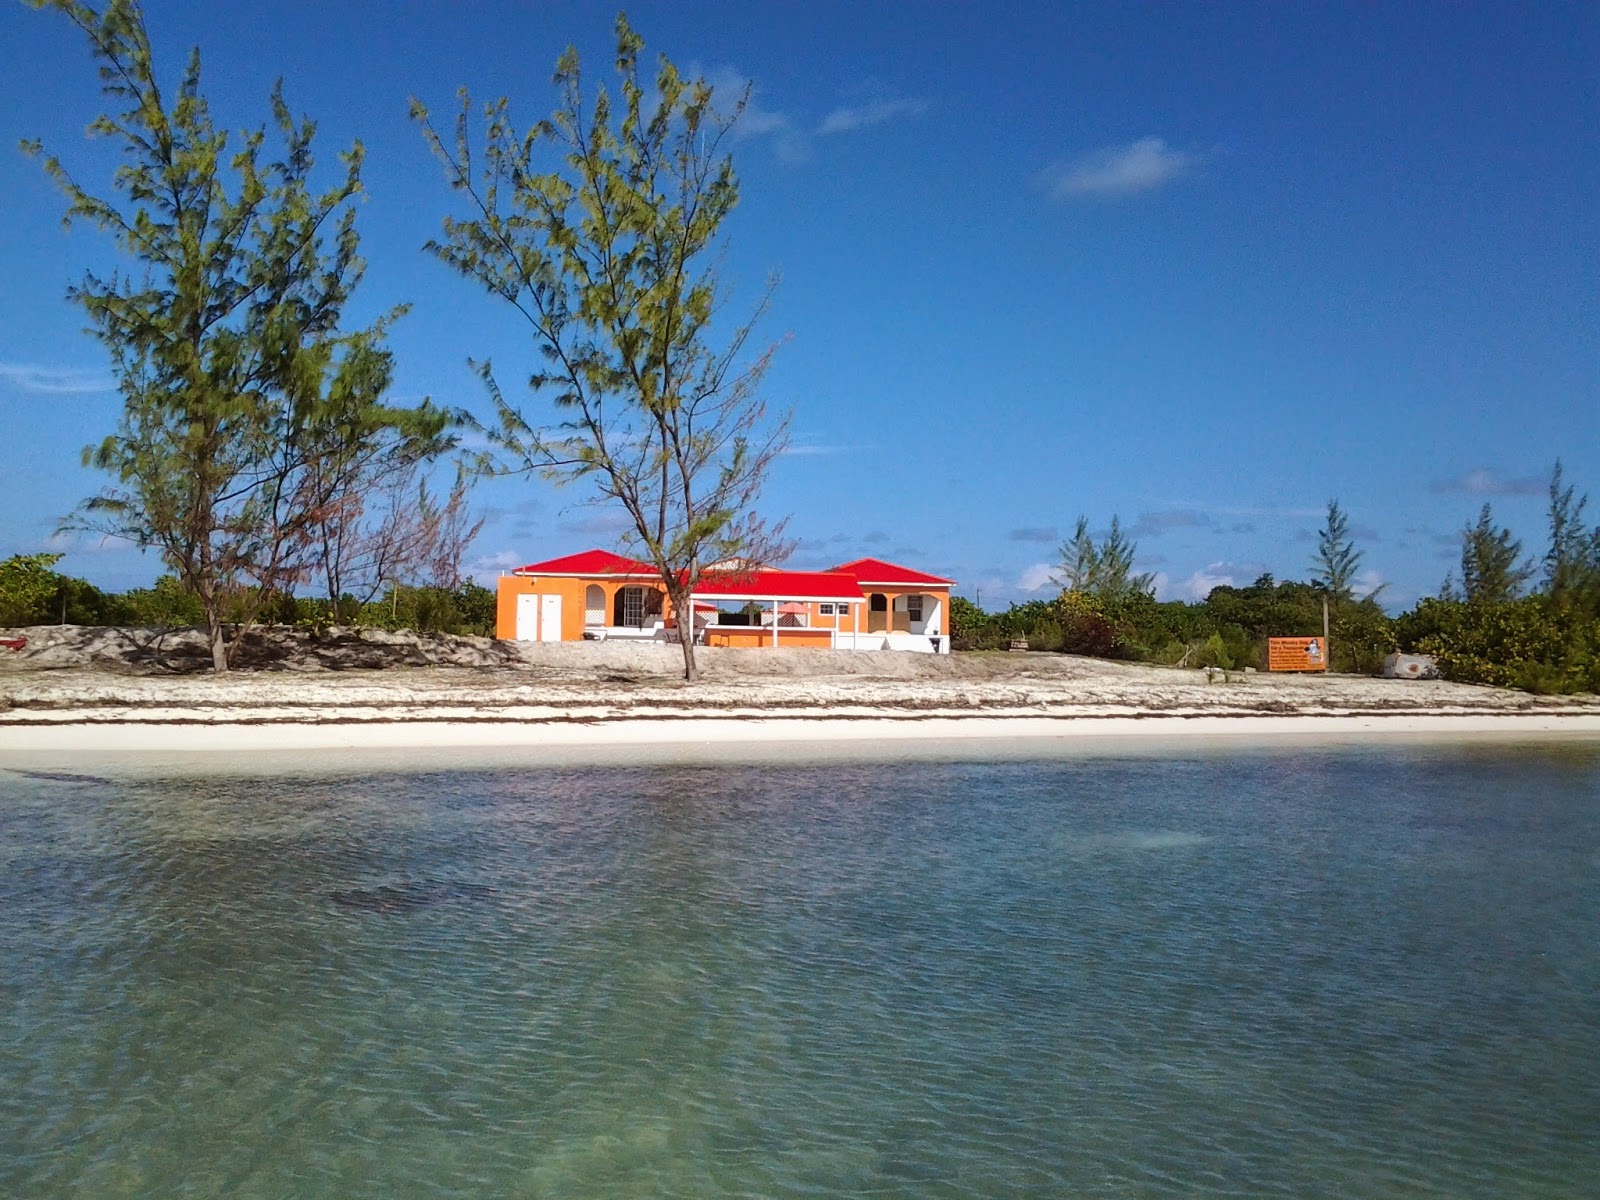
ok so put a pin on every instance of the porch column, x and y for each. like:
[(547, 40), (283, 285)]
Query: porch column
[(855, 626), (774, 624)]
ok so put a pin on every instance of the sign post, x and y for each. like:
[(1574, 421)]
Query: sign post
[(1327, 642)]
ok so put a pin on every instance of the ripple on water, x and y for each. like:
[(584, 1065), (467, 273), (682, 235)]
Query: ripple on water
[(1286, 975)]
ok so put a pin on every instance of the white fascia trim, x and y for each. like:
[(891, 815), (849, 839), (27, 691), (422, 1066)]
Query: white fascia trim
[(768, 598), (581, 575)]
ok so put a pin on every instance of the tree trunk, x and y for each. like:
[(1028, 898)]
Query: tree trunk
[(683, 612), (686, 637), (219, 648)]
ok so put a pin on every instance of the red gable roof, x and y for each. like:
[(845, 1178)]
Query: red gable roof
[(589, 563), (779, 585), (842, 583), (888, 574)]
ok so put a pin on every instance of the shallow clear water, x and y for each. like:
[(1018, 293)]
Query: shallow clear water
[(1319, 973)]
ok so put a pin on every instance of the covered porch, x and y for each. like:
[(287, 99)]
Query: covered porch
[(796, 609)]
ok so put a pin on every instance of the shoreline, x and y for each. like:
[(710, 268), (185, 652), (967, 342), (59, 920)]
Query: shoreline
[(384, 745), (96, 694)]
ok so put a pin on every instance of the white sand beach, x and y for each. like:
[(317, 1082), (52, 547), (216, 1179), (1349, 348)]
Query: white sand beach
[(120, 692)]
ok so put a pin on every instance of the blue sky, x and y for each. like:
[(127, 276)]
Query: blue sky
[(1202, 266)]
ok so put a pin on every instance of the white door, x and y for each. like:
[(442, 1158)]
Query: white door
[(528, 618), (550, 618)]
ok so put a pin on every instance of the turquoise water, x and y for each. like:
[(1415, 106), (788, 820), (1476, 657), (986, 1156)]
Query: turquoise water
[(1315, 973)]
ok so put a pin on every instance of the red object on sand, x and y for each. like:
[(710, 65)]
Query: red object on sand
[(13, 643)]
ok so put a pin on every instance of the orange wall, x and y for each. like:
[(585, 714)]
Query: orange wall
[(847, 622), (738, 635), (892, 620), (573, 593)]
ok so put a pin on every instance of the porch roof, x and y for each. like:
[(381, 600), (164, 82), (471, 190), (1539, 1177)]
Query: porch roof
[(844, 582), (781, 585)]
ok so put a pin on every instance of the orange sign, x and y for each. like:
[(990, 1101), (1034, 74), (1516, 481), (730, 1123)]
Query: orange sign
[(1297, 654)]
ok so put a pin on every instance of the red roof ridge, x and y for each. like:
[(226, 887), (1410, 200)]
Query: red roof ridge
[(589, 562), (877, 570)]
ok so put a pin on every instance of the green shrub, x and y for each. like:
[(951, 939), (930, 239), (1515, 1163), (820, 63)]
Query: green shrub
[(475, 609), (1047, 635), (1213, 652), (970, 626), (29, 589), (1088, 627), (167, 603), (1530, 643)]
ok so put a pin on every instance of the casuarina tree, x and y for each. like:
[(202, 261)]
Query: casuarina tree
[(1572, 564), (1337, 560), (599, 226), (226, 340), (1103, 568), (1491, 572)]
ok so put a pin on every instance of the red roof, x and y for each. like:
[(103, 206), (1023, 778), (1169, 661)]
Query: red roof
[(779, 585), (888, 574), (589, 563), (843, 582)]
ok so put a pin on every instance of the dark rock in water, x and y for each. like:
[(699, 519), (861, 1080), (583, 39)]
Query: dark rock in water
[(409, 897), (61, 777)]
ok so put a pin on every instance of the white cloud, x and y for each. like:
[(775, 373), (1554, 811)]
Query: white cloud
[(758, 122), (727, 86), (1140, 166), (1368, 583), (56, 381), (813, 450), (1036, 577), (1484, 482), (874, 112), (486, 568), (1198, 586)]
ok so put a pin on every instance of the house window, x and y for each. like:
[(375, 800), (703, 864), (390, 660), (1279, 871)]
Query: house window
[(825, 610), (914, 607)]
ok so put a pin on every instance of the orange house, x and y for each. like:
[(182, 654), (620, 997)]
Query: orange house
[(867, 604)]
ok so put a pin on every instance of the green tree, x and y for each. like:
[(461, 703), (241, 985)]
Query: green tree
[(1525, 643), (1572, 564), (606, 256), (1337, 560), (1103, 569), (165, 604), (1247, 616), (970, 626), (1490, 570), (226, 342), (1080, 560), (28, 588)]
